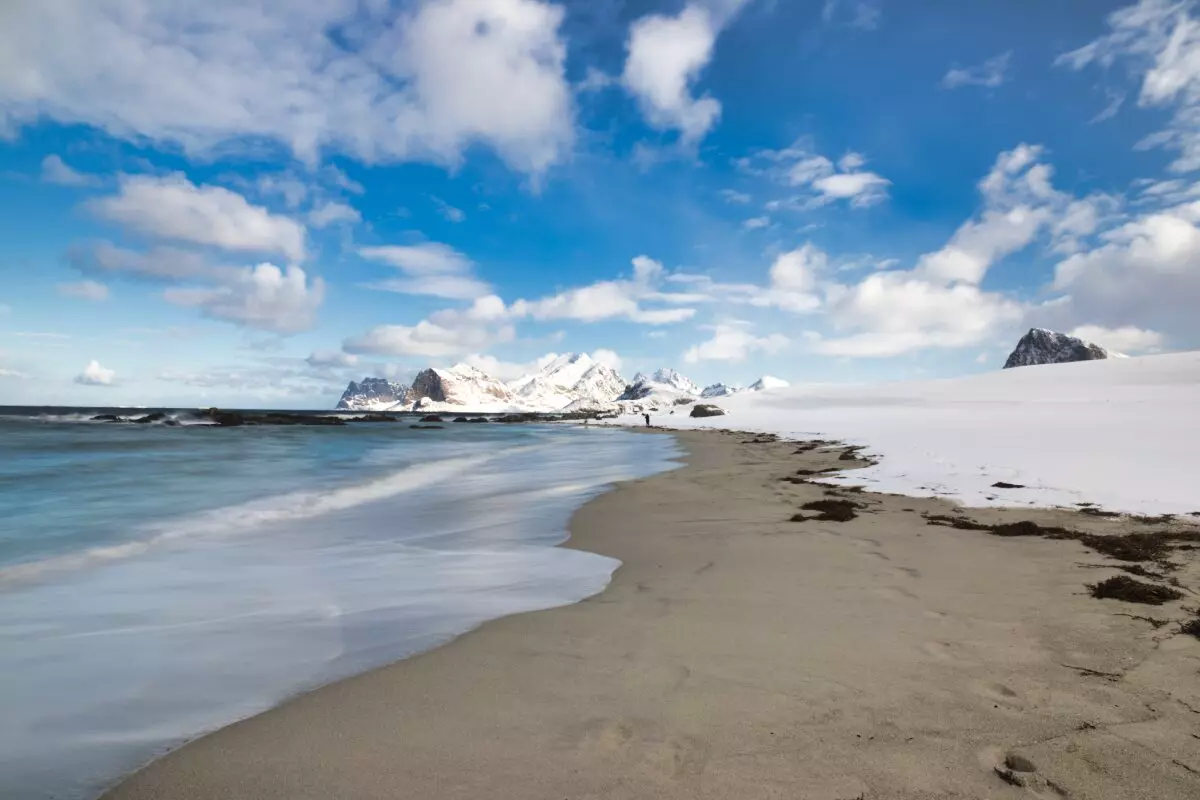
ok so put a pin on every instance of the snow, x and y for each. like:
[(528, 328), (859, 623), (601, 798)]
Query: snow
[(1121, 433), (767, 383)]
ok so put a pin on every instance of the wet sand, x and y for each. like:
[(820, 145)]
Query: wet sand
[(739, 654)]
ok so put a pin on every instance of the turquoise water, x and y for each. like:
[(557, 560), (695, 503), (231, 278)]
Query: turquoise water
[(159, 582)]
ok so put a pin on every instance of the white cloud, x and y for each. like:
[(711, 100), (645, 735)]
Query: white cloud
[(450, 332), (1019, 202), (1127, 339), (333, 212), (1141, 273), (264, 297), (56, 171), (594, 81), (84, 290), (12, 374), (158, 264), (322, 359), (755, 223), (665, 57), (733, 342), (990, 74), (859, 14), (430, 268), (733, 196), (798, 166), (608, 358), (448, 211), (861, 188), (96, 375), (616, 299), (375, 80), (172, 207), (896, 312), (1160, 40)]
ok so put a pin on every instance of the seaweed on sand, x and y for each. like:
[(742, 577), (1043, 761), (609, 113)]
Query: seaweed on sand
[(1122, 587)]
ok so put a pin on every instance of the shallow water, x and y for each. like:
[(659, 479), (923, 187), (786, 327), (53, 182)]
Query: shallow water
[(157, 583)]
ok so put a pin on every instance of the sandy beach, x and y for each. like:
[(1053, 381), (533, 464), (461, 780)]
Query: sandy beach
[(739, 653)]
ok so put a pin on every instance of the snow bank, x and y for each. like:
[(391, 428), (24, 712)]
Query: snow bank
[(1122, 433)]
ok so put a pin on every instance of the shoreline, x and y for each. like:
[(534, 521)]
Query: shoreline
[(736, 653)]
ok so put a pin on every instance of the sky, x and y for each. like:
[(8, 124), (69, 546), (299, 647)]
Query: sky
[(250, 203)]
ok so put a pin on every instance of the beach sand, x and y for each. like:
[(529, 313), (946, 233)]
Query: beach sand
[(738, 654)]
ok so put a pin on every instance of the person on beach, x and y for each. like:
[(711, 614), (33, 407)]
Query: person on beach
[(647, 416)]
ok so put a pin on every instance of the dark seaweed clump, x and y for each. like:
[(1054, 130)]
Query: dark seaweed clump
[(1122, 587), (830, 510)]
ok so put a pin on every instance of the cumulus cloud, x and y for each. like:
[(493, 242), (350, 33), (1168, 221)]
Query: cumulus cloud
[(375, 80), (324, 359), (608, 358), (95, 375), (84, 290), (264, 297), (733, 342), (733, 196), (824, 181), (1159, 40), (1142, 272), (172, 207), (332, 213), (990, 74), (449, 212), (615, 299), (450, 332), (430, 268), (158, 264), (56, 171), (1127, 339), (756, 223), (665, 57)]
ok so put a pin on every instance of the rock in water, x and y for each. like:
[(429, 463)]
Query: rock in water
[(1041, 346), (706, 410)]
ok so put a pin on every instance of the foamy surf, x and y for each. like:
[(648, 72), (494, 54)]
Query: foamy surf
[(250, 564)]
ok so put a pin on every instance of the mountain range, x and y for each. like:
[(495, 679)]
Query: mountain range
[(572, 382), (577, 382)]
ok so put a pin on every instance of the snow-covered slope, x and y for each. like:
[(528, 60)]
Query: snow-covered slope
[(570, 380), (374, 394), (666, 388), (720, 390), (1041, 346), (1123, 433), (768, 382), (460, 388)]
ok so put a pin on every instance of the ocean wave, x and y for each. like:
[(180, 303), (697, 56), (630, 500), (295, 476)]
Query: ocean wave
[(292, 506)]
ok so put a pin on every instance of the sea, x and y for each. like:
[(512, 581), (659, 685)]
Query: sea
[(160, 581)]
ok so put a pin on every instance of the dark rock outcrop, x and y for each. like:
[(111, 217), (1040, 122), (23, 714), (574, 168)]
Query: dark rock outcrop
[(432, 418), (1041, 346), (373, 391), (707, 410)]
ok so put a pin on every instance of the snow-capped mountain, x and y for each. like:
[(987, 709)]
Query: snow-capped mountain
[(571, 380), (1041, 346), (460, 388), (374, 394), (767, 382), (720, 390)]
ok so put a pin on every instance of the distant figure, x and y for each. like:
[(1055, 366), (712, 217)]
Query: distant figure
[(647, 416)]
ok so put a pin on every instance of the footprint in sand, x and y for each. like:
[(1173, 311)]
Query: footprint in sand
[(945, 651), (894, 593)]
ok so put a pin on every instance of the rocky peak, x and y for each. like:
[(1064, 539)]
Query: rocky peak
[(1041, 346), (768, 382), (373, 394)]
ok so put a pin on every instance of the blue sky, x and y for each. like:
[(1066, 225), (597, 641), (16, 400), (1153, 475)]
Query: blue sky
[(238, 203)]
